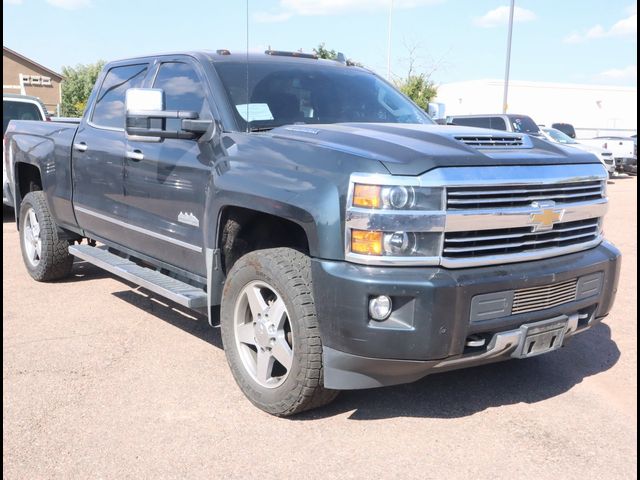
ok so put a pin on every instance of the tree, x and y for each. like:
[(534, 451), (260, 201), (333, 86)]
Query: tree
[(323, 52), (76, 87), (418, 86)]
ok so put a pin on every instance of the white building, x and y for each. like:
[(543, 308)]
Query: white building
[(591, 109)]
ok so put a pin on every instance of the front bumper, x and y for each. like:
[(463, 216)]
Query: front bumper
[(431, 322)]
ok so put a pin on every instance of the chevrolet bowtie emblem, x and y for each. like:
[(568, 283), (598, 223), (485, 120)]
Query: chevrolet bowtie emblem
[(546, 218)]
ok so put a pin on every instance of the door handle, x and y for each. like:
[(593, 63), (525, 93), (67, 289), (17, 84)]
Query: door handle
[(81, 146), (135, 155)]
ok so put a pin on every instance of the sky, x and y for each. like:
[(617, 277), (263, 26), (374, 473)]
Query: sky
[(568, 41)]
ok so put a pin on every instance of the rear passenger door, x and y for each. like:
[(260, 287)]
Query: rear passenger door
[(166, 181), (98, 156)]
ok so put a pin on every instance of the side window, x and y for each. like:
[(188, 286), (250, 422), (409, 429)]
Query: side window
[(498, 123), (109, 108), (182, 90)]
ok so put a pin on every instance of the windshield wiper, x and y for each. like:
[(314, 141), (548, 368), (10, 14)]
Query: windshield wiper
[(261, 129)]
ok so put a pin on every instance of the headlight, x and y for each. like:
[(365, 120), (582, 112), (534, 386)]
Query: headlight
[(395, 244), (396, 197), (394, 220)]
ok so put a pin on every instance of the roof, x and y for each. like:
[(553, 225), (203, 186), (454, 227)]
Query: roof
[(239, 57), (13, 52)]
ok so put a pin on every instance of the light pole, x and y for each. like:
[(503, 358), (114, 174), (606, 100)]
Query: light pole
[(508, 63), (389, 42)]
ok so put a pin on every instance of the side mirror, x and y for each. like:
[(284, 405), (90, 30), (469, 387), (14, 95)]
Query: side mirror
[(146, 116)]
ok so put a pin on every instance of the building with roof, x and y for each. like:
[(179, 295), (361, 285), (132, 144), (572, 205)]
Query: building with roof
[(23, 76)]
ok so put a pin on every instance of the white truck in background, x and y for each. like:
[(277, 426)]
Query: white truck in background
[(624, 149)]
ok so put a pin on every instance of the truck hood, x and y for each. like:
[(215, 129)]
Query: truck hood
[(412, 149)]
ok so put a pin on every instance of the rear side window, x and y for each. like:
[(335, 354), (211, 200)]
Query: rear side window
[(183, 90), (523, 124), (18, 111), (109, 108)]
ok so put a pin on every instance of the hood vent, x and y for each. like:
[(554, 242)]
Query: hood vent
[(493, 141)]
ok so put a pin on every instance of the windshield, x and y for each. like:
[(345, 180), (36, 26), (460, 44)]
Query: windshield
[(283, 93), (18, 111), (558, 136), (523, 124)]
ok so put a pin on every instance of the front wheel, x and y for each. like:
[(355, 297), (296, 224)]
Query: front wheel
[(270, 332), (45, 255)]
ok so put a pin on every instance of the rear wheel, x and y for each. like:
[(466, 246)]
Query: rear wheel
[(45, 255), (270, 332)]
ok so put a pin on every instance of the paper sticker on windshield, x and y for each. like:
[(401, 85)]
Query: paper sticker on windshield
[(255, 112)]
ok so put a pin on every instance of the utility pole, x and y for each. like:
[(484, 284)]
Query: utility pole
[(508, 63), (389, 42)]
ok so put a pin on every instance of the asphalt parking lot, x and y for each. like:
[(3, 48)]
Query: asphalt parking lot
[(102, 380)]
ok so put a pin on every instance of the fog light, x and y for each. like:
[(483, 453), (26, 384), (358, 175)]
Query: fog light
[(380, 307)]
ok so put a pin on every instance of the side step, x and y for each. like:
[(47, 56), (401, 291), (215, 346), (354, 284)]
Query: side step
[(180, 292)]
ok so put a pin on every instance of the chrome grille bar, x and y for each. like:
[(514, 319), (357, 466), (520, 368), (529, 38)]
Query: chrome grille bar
[(472, 198), (475, 244), (539, 298)]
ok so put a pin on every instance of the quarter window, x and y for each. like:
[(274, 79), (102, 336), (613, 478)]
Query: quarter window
[(109, 109)]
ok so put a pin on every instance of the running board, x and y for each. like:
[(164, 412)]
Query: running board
[(175, 290)]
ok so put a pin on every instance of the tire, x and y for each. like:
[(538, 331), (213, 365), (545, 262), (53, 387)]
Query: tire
[(281, 277), (45, 255)]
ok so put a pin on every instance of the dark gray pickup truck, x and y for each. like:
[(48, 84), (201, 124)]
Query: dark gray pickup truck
[(343, 240)]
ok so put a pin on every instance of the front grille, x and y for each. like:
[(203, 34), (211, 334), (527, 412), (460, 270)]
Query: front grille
[(505, 241), (491, 141), (538, 298), (470, 198)]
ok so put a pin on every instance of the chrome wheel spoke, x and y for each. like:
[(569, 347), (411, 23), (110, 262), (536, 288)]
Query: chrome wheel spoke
[(278, 313), (37, 250), (245, 333), (282, 352), (35, 226), (264, 366), (256, 301)]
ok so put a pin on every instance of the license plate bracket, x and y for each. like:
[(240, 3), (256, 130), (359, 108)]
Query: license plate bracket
[(541, 337)]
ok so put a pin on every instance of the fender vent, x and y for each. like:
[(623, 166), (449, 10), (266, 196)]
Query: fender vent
[(492, 141)]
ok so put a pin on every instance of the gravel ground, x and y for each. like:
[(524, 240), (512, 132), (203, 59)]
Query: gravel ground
[(103, 381)]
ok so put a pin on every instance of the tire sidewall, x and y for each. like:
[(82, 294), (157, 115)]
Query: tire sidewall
[(244, 272)]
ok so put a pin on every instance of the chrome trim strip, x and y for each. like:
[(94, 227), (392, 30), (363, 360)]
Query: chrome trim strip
[(519, 235), (480, 248), (491, 176), (519, 257), (135, 228), (393, 220), (493, 219)]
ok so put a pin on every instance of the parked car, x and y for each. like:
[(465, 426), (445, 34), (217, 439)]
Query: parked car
[(18, 107), (349, 242), (565, 128), (505, 122), (624, 149), (605, 156)]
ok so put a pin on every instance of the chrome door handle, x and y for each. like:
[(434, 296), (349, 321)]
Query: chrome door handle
[(136, 155), (81, 147)]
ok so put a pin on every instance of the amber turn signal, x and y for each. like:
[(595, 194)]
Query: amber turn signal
[(366, 196), (366, 243)]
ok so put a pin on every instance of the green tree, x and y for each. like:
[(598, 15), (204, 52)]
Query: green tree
[(76, 87), (417, 85), (323, 52), (419, 88)]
